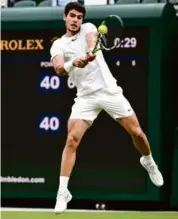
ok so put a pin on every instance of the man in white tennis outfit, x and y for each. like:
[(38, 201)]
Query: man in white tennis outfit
[(96, 90)]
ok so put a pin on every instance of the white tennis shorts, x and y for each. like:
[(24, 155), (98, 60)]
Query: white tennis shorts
[(113, 102)]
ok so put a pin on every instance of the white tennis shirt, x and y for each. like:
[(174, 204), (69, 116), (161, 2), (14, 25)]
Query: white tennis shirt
[(96, 74)]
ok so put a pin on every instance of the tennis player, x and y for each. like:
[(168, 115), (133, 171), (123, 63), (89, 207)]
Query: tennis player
[(96, 90)]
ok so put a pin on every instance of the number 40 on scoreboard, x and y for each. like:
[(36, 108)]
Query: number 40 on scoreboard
[(49, 123), (49, 82)]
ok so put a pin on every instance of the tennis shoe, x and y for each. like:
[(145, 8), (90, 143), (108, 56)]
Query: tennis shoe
[(153, 171), (63, 197)]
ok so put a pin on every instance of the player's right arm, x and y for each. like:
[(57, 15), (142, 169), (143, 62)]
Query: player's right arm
[(58, 64), (57, 57), (64, 68)]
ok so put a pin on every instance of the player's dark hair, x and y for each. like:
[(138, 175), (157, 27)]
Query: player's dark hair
[(76, 6)]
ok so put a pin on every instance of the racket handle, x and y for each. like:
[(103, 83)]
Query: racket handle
[(96, 50)]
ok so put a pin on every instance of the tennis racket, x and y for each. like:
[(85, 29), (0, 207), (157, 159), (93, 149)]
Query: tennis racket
[(111, 28)]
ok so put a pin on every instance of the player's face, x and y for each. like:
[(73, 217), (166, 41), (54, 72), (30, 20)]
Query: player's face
[(73, 21)]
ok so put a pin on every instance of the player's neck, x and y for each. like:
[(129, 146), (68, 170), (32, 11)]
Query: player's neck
[(70, 34)]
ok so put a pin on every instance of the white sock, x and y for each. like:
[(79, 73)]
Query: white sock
[(63, 181), (149, 158)]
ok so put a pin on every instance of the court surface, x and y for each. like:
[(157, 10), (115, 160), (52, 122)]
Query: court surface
[(48, 214)]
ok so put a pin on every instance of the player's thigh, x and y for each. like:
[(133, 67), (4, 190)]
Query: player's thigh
[(117, 105), (77, 128), (131, 124), (85, 108)]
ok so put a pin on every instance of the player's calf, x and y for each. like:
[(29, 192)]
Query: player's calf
[(140, 141)]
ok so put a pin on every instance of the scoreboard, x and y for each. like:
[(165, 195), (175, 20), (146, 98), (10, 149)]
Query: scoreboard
[(36, 104)]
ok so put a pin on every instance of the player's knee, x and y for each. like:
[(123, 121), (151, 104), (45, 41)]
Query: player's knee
[(72, 141), (137, 133)]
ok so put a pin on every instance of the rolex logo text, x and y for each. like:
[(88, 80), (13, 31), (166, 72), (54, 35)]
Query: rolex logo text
[(28, 44)]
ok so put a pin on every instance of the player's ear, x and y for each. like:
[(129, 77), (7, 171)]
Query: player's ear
[(64, 17)]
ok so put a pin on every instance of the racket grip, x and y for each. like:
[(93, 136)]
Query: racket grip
[(93, 50), (96, 50)]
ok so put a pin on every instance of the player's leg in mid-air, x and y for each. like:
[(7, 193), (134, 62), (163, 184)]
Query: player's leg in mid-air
[(84, 111), (140, 141), (76, 130), (118, 107)]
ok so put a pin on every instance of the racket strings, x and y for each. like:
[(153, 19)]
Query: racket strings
[(104, 39), (114, 26), (108, 41)]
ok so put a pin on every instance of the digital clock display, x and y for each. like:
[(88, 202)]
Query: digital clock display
[(36, 104), (127, 42)]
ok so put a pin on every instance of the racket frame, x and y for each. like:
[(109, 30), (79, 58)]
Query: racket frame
[(99, 45)]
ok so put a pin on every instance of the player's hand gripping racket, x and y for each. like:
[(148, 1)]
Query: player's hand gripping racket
[(110, 29)]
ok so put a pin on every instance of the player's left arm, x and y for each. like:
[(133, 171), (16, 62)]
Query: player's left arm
[(91, 39)]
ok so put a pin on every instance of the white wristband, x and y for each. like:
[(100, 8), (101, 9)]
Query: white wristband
[(68, 66)]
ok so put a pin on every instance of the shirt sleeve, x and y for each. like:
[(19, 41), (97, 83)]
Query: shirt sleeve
[(56, 49), (89, 27)]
